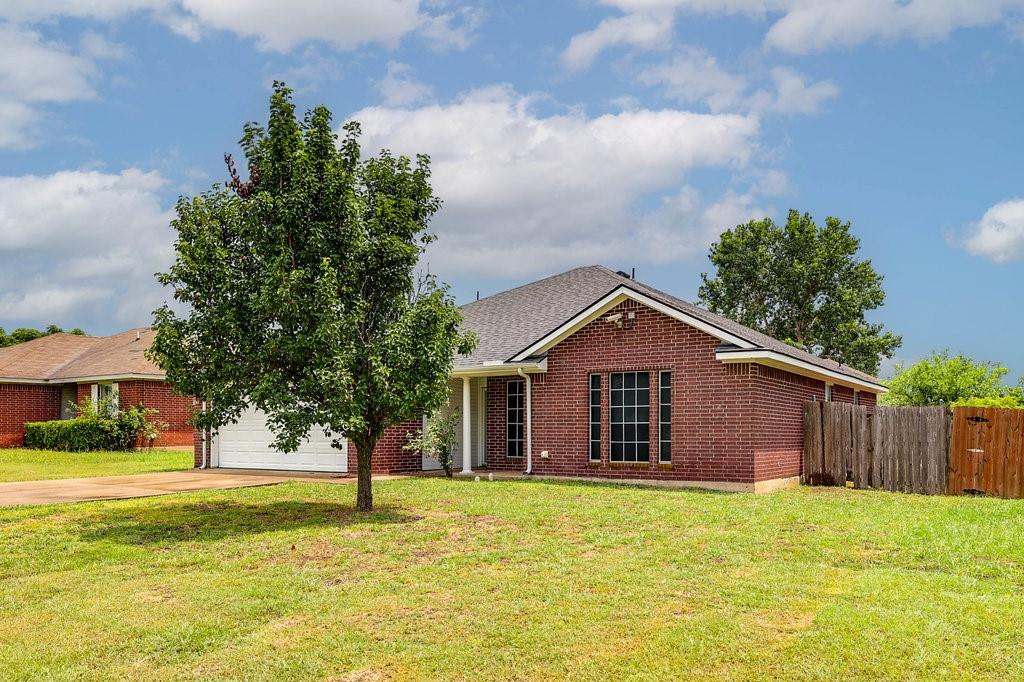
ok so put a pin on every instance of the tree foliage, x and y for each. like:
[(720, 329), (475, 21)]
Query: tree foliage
[(23, 334), (803, 284), (945, 379), (300, 290)]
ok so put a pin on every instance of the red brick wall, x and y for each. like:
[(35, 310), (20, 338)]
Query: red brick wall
[(389, 457), (713, 431), (20, 403), (777, 406)]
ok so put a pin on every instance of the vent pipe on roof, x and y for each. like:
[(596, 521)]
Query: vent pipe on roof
[(138, 335)]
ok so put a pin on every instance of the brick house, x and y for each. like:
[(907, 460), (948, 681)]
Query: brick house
[(41, 379), (592, 374)]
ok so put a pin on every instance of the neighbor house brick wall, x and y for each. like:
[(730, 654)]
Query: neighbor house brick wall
[(20, 403), (171, 408), (390, 457)]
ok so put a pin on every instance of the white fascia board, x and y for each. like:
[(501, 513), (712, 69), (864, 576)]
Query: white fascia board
[(108, 377), (14, 380), (611, 300), (771, 358), (498, 369)]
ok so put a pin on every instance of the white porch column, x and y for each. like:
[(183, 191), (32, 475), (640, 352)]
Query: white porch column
[(467, 427)]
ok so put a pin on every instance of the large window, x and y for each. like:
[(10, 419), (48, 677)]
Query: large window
[(595, 417), (665, 417), (515, 409), (630, 418)]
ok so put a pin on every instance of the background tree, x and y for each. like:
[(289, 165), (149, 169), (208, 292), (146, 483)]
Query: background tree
[(23, 334), (945, 379), (802, 284), (299, 290)]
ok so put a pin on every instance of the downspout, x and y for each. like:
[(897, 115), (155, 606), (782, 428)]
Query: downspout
[(529, 422), (202, 437)]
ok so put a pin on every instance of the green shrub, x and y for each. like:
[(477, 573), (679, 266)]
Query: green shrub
[(94, 428), (1010, 401)]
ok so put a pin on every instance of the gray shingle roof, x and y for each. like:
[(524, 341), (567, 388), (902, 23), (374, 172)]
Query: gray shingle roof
[(509, 322)]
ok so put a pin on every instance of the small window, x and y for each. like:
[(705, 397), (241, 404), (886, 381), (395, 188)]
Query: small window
[(828, 393), (515, 410), (106, 396), (595, 417), (856, 397), (630, 417), (665, 417)]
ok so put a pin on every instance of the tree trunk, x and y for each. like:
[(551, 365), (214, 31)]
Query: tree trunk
[(364, 478)]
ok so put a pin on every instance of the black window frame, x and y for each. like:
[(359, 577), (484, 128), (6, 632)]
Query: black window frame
[(594, 417), (665, 417), (629, 421), (515, 417)]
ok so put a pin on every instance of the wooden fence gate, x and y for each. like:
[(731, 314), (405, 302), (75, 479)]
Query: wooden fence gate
[(987, 454), (902, 449)]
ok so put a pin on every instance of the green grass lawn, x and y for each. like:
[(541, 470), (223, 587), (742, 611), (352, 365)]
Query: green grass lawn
[(513, 580), (19, 464)]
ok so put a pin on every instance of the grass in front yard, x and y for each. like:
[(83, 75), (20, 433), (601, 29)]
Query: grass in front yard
[(19, 464), (514, 580)]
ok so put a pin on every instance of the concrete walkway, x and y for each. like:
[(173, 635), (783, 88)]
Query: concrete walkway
[(146, 485)]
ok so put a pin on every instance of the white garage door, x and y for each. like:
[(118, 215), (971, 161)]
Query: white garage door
[(247, 445)]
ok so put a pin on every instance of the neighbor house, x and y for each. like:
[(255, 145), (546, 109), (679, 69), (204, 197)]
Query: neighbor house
[(592, 374), (43, 379)]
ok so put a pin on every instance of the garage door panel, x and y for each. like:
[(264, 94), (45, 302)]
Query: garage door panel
[(247, 445)]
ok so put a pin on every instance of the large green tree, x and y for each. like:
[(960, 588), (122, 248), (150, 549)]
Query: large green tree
[(944, 379), (23, 334), (299, 290), (803, 284)]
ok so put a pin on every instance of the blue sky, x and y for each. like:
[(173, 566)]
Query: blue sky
[(622, 132)]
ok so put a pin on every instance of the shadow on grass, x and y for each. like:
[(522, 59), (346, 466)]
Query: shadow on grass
[(598, 483), (212, 521)]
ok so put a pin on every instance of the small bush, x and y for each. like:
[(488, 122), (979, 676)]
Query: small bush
[(95, 428), (1009, 401)]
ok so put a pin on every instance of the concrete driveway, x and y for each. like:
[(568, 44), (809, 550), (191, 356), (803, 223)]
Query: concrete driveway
[(144, 485)]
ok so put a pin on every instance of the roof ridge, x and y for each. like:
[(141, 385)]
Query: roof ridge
[(536, 281)]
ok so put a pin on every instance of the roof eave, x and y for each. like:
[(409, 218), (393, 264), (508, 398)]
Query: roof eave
[(770, 358)]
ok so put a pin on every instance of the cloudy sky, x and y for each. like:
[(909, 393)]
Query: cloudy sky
[(622, 132)]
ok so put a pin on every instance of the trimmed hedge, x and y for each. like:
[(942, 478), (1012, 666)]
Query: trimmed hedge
[(87, 432)]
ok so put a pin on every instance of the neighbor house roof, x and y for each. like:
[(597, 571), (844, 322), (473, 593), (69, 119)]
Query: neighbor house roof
[(512, 322), (61, 358)]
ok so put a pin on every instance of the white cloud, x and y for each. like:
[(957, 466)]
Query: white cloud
[(647, 31), (999, 235), (693, 75), (281, 26), (275, 25), (98, 47), (399, 88), (806, 26), (527, 192), (792, 94), (78, 245), (451, 30), (813, 27), (35, 72)]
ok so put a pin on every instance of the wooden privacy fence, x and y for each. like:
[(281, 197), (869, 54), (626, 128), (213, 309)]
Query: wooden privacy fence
[(897, 448), (929, 450)]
